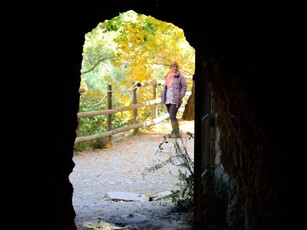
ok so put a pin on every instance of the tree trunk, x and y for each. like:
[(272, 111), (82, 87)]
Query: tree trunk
[(188, 113)]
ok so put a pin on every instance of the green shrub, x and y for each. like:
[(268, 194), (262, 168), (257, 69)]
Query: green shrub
[(179, 157)]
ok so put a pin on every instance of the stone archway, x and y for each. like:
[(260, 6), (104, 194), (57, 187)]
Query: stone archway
[(235, 44)]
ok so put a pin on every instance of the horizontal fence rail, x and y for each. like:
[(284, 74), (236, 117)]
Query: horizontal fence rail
[(117, 110), (122, 129), (136, 105)]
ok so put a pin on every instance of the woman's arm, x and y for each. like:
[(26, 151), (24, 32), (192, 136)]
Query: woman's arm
[(183, 83)]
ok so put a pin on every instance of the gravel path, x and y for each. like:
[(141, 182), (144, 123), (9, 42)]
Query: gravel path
[(120, 168)]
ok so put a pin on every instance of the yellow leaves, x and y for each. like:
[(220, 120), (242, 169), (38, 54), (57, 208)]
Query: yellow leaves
[(108, 145), (143, 39), (128, 172), (132, 47), (101, 225)]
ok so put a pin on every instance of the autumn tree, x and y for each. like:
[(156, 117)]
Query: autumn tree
[(128, 48)]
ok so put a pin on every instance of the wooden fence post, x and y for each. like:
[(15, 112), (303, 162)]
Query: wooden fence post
[(135, 112), (154, 96), (109, 119)]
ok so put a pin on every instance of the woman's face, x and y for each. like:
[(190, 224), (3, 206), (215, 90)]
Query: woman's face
[(173, 68)]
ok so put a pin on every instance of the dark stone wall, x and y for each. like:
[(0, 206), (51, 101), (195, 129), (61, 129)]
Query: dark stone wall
[(247, 49)]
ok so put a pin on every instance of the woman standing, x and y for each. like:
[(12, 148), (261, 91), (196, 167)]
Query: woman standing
[(173, 91)]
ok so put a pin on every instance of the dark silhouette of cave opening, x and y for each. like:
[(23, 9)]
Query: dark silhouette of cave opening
[(248, 54)]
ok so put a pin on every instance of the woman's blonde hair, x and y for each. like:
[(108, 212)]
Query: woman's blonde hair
[(174, 64)]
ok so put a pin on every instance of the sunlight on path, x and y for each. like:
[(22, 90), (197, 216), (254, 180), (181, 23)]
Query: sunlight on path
[(120, 168), (164, 127)]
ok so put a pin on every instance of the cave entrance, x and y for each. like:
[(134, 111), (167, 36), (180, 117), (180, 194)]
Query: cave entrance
[(112, 56)]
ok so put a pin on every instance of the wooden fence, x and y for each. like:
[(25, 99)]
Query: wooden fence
[(135, 105)]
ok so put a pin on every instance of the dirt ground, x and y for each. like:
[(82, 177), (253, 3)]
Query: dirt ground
[(120, 168)]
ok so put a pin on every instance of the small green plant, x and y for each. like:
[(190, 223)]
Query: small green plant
[(179, 157)]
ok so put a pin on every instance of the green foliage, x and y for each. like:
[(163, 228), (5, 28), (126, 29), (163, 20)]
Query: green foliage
[(127, 48), (132, 47), (179, 157)]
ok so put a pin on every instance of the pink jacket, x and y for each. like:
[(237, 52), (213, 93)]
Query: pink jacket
[(179, 89)]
